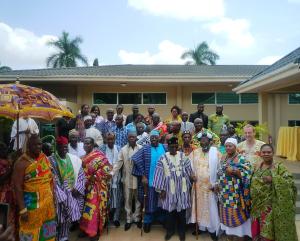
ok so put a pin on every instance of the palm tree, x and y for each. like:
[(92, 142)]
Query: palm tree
[(96, 62), (4, 68), (201, 55), (68, 52)]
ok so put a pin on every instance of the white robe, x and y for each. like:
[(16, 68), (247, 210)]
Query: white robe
[(23, 126), (79, 151), (211, 222)]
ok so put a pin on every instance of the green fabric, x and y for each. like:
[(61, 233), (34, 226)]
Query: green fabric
[(66, 170), (216, 123), (279, 197)]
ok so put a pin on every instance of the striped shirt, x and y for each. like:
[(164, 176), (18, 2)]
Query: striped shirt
[(172, 175)]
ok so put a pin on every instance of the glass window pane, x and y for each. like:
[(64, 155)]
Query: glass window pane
[(249, 98), (155, 98), (105, 98), (130, 98), (294, 98), (203, 98), (227, 98)]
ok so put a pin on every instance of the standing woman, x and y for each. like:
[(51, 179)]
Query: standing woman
[(96, 169), (234, 193), (96, 110), (175, 115), (273, 195)]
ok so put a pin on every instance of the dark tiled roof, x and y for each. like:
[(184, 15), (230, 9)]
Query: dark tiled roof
[(145, 70), (293, 57)]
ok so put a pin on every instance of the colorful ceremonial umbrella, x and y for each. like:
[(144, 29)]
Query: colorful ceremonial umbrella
[(17, 100)]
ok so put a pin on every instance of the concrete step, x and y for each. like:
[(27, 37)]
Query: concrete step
[(297, 217), (298, 207)]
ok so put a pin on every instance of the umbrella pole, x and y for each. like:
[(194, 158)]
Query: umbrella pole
[(18, 144)]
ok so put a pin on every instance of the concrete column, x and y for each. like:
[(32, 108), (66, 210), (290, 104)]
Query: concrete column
[(277, 115), (179, 96), (263, 112)]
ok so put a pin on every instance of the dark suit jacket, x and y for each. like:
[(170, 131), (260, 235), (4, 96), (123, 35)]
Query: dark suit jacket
[(202, 116)]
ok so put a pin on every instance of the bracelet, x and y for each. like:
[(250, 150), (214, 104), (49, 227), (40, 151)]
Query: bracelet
[(24, 210)]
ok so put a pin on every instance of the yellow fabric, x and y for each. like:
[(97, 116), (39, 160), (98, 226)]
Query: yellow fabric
[(288, 143), (38, 198)]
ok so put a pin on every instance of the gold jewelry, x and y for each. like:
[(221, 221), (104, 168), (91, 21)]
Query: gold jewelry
[(24, 210)]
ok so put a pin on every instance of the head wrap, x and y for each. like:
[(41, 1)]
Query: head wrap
[(173, 140), (73, 132), (87, 117), (61, 140), (131, 130), (154, 133), (232, 141), (201, 135)]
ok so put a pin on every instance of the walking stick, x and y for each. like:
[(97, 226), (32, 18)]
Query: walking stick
[(144, 208), (196, 211)]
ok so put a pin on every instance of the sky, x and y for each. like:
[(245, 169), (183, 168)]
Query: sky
[(149, 31)]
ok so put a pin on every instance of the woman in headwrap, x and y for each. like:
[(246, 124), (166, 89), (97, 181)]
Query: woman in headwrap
[(234, 192)]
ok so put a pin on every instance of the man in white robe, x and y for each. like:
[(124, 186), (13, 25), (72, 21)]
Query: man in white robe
[(91, 131), (27, 127), (75, 146), (205, 161)]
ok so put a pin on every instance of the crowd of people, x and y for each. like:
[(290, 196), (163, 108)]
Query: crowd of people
[(187, 171)]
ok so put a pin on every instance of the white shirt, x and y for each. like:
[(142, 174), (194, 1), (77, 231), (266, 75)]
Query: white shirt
[(24, 124), (79, 151)]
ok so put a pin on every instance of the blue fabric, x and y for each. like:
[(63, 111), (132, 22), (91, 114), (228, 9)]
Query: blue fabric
[(121, 136), (132, 127), (156, 153), (154, 133), (157, 215), (141, 167)]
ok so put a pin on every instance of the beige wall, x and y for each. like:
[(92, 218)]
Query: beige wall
[(176, 94)]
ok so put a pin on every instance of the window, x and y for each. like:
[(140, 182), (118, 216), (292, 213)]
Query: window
[(130, 98), (203, 98), (105, 98), (155, 98), (249, 98), (227, 98), (293, 123), (294, 98)]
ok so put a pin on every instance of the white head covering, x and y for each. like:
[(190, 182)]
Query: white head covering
[(232, 141), (87, 117)]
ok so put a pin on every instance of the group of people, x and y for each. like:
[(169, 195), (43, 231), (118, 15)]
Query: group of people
[(189, 170)]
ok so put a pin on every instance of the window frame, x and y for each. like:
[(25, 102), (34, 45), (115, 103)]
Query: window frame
[(289, 99), (133, 92)]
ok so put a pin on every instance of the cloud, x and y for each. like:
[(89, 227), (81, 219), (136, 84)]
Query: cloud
[(179, 9), (20, 48), (169, 53), (236, 31), (268, 60)]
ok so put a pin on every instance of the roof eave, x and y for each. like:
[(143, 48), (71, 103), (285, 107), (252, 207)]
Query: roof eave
[(269, 78)]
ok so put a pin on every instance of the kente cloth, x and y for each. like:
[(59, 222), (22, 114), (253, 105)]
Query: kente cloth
[(39, 201), (65, 169), (6, 190), (172, 175), (161, 128), (273, 205), (143, 163), (234, 195), (196, 142), (205, 167), (97, 170), (116, 189), (24, 124), (251, 154), (69, 206), (218, 122)]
